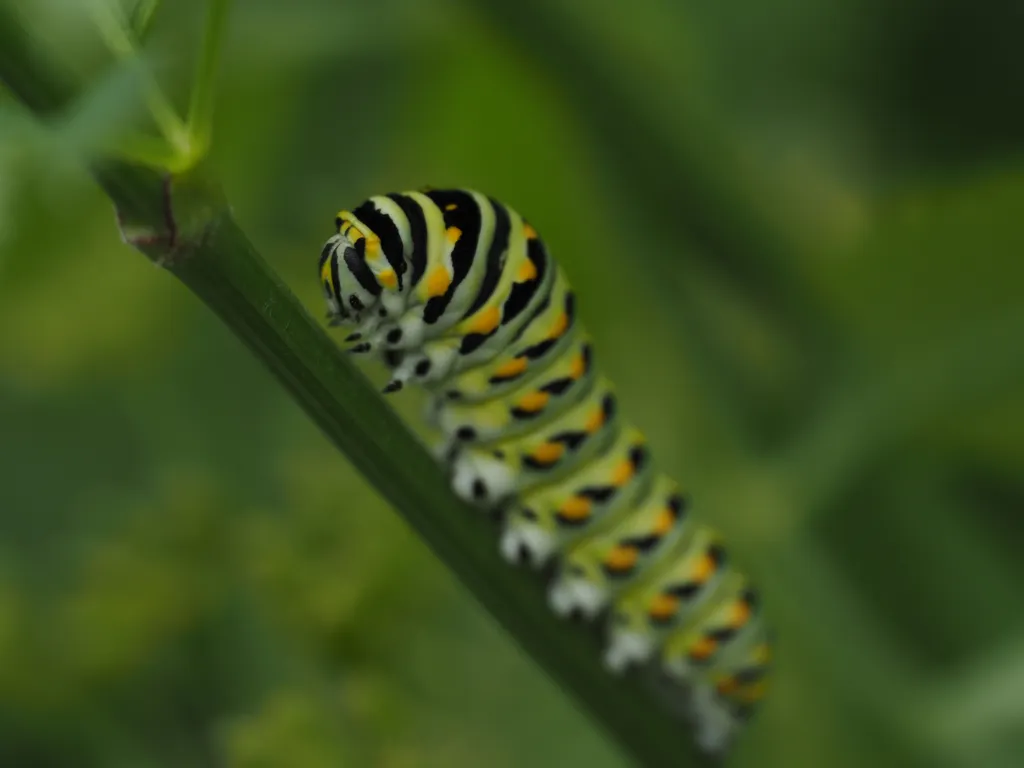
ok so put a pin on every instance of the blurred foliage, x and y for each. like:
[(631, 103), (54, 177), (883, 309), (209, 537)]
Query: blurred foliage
[(189, 575)]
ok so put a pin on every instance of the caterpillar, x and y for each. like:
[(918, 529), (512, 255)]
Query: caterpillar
[(456, 292)]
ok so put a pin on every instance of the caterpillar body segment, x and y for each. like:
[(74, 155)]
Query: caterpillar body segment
[(560, 385), (488, 473), (722, 700), (544, 339), (605, 564), (545, 520), (667, 598), (457, 293)]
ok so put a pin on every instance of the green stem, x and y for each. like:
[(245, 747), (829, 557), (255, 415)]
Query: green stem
[(114, 30), (141, 18), (200, 111), (148, 151), (187, 230)]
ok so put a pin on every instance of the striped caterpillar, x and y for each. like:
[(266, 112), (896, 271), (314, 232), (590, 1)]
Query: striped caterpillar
[(457, 293)]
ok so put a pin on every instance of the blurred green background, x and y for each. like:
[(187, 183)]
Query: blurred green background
[(796, 229)]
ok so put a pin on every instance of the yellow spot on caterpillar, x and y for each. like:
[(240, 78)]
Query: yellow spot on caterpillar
[(325, 274), (595, 420), (512, 368), (762, 654), (663, 607), (622, 558), (559, 326), (577, 367), (484, 321), (663, 522), (753, 693), (727, 686), (704, 568), (530, 232), (438, 281), (452, 235), (388, 279), (622, 472), (548, 453), (451, 207), (533, 402), (527, 272), (703, 649), (575, 508), (740, 614), (372, 250)]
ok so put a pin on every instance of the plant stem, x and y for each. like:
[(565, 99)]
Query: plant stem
[(141, 18), (114, 30), (200, 112)]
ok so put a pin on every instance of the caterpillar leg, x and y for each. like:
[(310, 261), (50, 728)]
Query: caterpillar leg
[(430, 363), (569, 596), (523, 542), (715, 723), (626, 649), (361, 339), (406, 333), (480, 479)]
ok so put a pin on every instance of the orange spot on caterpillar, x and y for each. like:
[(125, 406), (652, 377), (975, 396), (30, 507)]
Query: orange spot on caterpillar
[(594, 421), (438, 281), (740, 614), (558, 327), (753, 693), (548, 453), (513, 367), (663, 522), (484, 321), (575, 509), (533, 402), (577, 367), (727, 686), (703, 649), (622, 472), (622, 558), (663, 607), (527, 272), (704, 569)]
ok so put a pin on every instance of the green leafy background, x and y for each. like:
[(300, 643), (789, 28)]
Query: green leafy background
[(796, 231)]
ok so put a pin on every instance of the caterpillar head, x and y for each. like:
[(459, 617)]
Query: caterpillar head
[(354, 272), (348, 300)]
